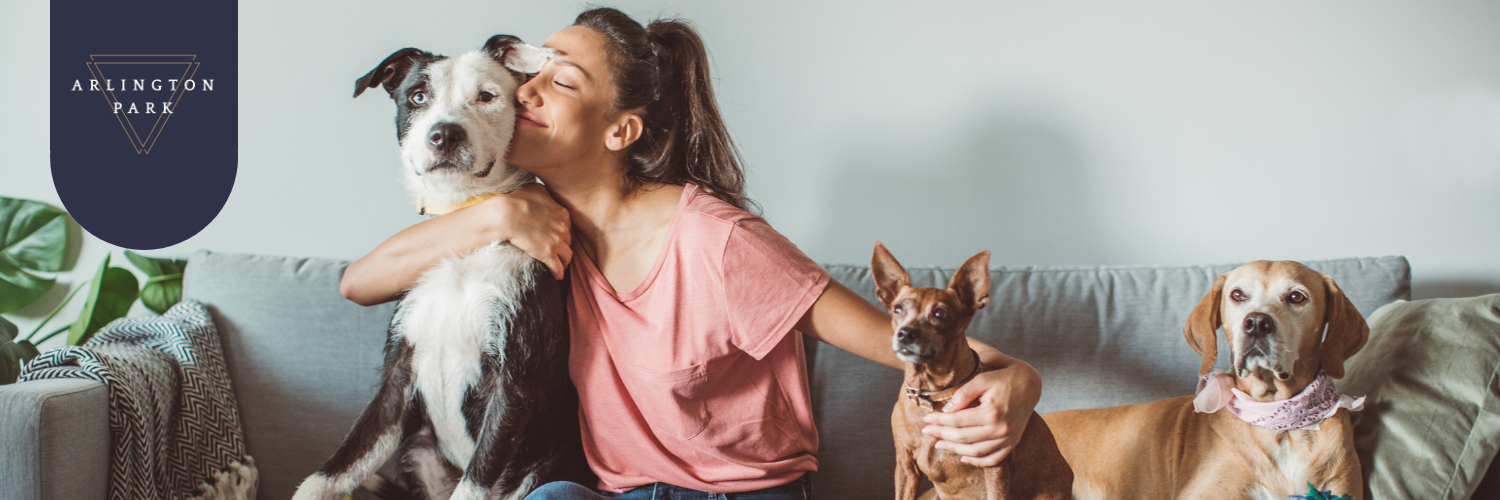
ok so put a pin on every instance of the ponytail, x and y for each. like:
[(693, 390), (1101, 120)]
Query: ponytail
[(663, 69)]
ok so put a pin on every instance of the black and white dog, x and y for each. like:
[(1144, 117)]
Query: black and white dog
[(475, 390)]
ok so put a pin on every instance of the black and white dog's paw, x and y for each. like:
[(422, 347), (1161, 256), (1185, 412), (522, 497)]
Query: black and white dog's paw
[(469, 490), (320, 487)]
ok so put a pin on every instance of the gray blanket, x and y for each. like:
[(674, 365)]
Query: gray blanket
[(173, 415)]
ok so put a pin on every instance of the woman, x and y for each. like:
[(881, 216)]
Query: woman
[(674, 285)]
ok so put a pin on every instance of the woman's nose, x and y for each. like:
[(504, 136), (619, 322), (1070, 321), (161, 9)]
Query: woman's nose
[(527, 94)]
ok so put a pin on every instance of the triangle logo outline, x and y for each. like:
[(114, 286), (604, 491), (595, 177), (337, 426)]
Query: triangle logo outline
[(142, 145)]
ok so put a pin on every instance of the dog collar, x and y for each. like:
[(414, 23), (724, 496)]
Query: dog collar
[(1318, 401), (930, 399), (446, 209)]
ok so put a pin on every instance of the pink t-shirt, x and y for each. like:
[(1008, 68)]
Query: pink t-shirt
[(697, 378)]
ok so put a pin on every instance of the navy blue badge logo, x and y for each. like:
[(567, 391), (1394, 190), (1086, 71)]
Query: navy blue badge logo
[(145, 125)]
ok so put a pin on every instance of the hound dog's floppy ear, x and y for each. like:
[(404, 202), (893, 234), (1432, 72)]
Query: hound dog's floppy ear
[(889, 276), (390, 72), (1202, 324), (972, 281), (516, 55), (1347, 330)]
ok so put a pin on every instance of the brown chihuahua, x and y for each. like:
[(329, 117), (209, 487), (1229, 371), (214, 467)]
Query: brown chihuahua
[(929, 326)]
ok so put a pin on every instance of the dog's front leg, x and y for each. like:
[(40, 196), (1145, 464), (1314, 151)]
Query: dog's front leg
[(505, 418), (908, 476), (374, 436), (1348, 478)]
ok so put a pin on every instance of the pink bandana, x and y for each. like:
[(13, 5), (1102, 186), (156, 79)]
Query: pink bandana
[(1304, 411)]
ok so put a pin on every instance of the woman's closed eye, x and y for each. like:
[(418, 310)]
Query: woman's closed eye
[(563, 85)]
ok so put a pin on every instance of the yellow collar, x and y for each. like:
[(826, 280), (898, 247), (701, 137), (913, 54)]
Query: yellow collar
[(446, 209)]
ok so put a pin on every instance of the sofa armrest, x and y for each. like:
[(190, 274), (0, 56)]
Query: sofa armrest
[(54, 440)]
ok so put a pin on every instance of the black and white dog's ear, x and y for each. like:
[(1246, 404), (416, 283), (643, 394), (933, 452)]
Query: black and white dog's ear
[(390, 72), (516, 55)]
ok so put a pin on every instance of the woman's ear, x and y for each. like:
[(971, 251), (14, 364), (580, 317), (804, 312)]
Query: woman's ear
[(624, 132)]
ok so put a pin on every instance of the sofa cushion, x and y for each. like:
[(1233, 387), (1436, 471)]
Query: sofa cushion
[(1431, 377), (1101, 336), (304, 361)]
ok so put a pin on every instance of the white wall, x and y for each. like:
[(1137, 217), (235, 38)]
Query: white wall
[(1064, 132)]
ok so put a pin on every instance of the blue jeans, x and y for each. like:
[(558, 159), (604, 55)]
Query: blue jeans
[(799, 489)]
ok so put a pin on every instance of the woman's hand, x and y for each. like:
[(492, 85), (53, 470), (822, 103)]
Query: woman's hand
[(1005, 395), (528, 218), (536, 224), (1002, 401)]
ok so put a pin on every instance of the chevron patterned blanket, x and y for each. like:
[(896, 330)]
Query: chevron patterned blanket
[(173, 415)]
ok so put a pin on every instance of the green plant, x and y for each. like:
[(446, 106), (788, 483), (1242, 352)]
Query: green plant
[(163, 280), (34, 236), (110, 294), (12, 352)]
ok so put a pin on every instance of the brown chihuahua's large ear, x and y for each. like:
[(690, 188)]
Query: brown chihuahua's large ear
[(1347, 330), (391, 71), (1202, 324), (889, 276), (972, 281)]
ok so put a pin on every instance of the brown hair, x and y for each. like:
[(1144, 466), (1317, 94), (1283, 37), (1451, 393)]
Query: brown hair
[(662, 68)]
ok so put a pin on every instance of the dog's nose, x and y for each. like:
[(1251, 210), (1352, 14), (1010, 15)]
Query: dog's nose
[(1259, 323), (906, 335), (445, 136)]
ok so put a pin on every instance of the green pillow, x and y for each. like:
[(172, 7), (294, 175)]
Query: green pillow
[(1431, 422)]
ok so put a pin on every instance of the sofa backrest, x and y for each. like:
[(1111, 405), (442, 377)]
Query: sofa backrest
[(304, 361), (1100, 336)]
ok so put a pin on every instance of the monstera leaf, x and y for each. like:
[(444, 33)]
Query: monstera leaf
[(12, 353), (163, 280), (110, 294), (32, 236)]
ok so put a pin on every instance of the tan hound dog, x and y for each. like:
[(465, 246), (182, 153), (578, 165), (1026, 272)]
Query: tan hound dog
[(1273, 314), (929, 326)]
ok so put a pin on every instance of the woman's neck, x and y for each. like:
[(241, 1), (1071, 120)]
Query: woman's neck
[(596, 207), (608, 216)]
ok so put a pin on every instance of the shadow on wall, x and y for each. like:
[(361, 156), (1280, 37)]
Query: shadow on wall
[(1421, 289), (1013, 186)]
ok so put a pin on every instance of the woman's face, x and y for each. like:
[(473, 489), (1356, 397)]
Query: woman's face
[(565, 114)]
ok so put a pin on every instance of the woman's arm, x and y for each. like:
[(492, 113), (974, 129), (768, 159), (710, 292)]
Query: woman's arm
[(1005, 395), (843, 319), (528, 218)]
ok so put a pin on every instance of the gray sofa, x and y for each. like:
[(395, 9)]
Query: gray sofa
[(304, 361)]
